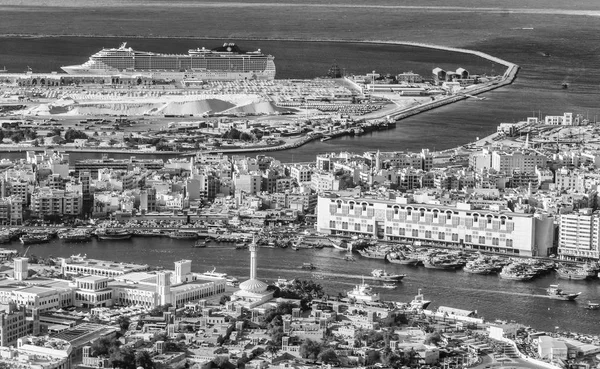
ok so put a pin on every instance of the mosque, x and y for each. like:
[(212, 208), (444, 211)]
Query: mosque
[(252, 292)]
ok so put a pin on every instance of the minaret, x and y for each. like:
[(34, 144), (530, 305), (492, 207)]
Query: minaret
[(253, 248)]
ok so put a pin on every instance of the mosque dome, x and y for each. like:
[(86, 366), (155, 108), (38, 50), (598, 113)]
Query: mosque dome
[(253, 286)]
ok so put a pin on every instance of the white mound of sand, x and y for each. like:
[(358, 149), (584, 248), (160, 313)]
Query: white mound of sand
[(262, 107), (155, 105)]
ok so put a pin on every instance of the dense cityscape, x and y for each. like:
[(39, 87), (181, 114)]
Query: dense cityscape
[(520, 204)]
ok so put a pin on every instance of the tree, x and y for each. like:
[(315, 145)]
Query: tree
[(233, 134), (241, 362), (222, 362), (72, 135), (390, 359), (310, 349), (372, 357), (17, 137), (433, 338), (123, 358), (328, 356), (245, 136), (143, 359), (276, 334), (272, 349), (224, 299), (123, 322), (54, 132), (103, 346), (158, 310)]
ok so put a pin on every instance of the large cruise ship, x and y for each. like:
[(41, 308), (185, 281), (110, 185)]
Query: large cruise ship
[(227, 62)]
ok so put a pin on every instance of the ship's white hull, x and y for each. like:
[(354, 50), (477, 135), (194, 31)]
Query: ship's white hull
[(172, 75)]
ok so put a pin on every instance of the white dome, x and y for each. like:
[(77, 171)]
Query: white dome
[(254, 286)]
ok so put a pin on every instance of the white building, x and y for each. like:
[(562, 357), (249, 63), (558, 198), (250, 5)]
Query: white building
[(579, 235), (523, 161), (560, 120), (461, 225), (301, 173)]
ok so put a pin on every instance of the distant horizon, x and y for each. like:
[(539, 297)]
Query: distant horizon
[(581, 7)]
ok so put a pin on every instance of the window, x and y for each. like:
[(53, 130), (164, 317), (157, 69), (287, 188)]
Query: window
[(396, 210), (415, 233), (427, 234), (435, 214), (442, 236), (495, 241), (448, 215), (357, 227), (489, 219), (351, 206), (388, 230), (454, 236), (509, 243), (369, 228), (401, 231), (332, 224), (409, 211), (503, 221), (468, 238), (339, 204), (482, 240), (364, 207), (345, 225)]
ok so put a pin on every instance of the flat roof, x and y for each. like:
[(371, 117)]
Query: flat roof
[(104, 264), (39, 290), (416, 206), (142, 287), (91, 278)]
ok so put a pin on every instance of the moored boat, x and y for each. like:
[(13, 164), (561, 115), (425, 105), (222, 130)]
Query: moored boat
[(181, 234), (31, 239), (147, 233), (419, 301), (5, 236), (476, 267), (113, 234), (373, 254), (338, 243), (441, 263), (516, 272), (76, 235), (401, 258)]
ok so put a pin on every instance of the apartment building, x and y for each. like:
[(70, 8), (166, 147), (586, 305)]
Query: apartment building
[(461, 225)]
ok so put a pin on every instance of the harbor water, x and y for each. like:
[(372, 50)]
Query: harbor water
[(492, 297)]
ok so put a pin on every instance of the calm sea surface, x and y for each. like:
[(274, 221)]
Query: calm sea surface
[(522, 32)]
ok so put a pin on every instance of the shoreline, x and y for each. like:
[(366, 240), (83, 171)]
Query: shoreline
[(506, 79)]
